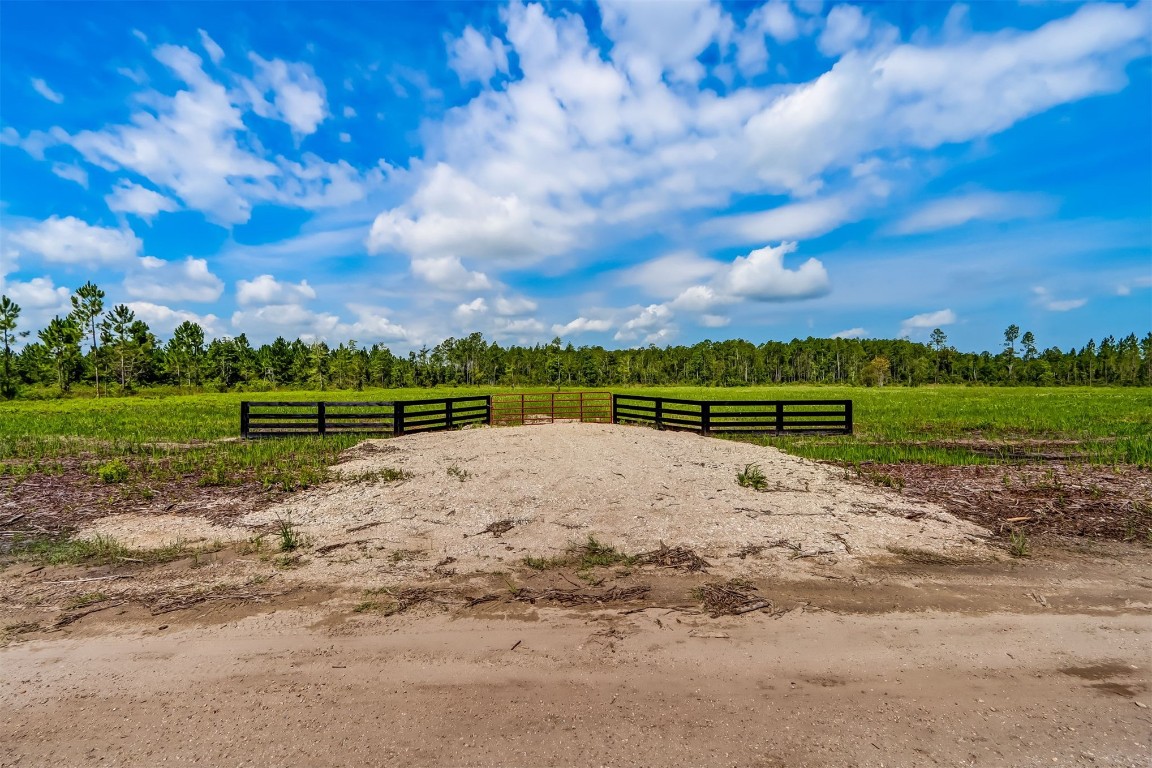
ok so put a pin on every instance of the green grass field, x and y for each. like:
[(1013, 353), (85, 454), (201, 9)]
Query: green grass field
[(159, 438)]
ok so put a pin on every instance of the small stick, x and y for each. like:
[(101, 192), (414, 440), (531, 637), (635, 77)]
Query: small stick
[(93, 578), (18, 517), (516, 645)]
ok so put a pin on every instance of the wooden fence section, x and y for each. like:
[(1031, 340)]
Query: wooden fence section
[(512, 410), (320, 417), (780, 417)]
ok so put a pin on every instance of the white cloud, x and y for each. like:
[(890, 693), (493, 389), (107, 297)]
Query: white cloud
[(39, 293), (698, 298), (652, 324), (345, 137), (158, 280), (349, 112), (450, 274), (298, 95), (581, 325), (128, 197), (795, 221), (475, 57), (1049, 302), (670, 274), (584, 147), (44, 90), (762, 276), (9, 258), (71, 173), (714, 321), (266, 289), (39, 298), (525, 327), (962, 209), (852, 333), (71, 241), (921, 322), (846, 26), (451, 215), (162, 320), (650, 39), (214, 51), (292, 320), (467, 313), (773, 19), (516, 305), (1136, 283)]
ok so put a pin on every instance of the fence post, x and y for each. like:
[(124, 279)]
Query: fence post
[(847, 417), (397, 419), (659, 413), (581, 406), (321, 423), (612, 415), (244, 420), (779, 417), (448, 412), (705, 418), (488, 409)]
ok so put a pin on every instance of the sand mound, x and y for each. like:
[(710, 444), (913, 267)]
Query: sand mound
[(491, 496)]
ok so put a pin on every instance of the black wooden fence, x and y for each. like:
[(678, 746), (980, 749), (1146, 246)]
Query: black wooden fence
[(399, 417), (780, 417), (402, 417)]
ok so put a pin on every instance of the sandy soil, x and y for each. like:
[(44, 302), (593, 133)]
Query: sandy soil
[(892, 634), (966, 669), (554, 485)]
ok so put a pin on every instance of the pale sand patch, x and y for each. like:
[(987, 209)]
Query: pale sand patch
[(631, 487), (153, 531)]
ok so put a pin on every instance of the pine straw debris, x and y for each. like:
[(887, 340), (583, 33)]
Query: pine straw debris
[(680, 558), (581, 597), (731, 598)]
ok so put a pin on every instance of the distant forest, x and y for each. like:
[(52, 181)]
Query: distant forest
[(115, 352)]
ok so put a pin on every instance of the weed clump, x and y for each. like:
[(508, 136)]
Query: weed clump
[(290, 538), (752, 476), (1018, 544), (115, 471)]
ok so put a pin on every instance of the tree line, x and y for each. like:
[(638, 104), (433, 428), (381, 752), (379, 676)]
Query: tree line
[(114, 352)]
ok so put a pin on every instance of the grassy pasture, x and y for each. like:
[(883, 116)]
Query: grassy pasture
[(187, 436)]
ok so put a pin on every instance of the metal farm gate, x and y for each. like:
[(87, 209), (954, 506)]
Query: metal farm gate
[(511, 410)]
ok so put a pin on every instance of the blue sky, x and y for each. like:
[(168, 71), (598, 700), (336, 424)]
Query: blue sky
[(616, 173)]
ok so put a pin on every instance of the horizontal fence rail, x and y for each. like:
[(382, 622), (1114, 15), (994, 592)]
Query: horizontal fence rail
[(260, 419), (512, 410), (780, 417)]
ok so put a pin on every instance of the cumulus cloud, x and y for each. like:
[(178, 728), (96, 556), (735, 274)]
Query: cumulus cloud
[(845, 26), (266, 289), (852, 333), (292, 320), (298, 95), (515, 305), (927, 320), (69, 240), (468, 312), (652, 324), (962, 209), (127, 197), (450, 274), (476, 57), (158, 280), (670, 274), (163, 319), (44, 90), (581, 325), (38, 293), (762, 276)]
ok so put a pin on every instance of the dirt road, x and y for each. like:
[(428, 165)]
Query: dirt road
[(1043, 664)]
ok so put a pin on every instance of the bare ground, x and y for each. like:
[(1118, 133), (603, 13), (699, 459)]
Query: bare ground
[(855, 624)]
